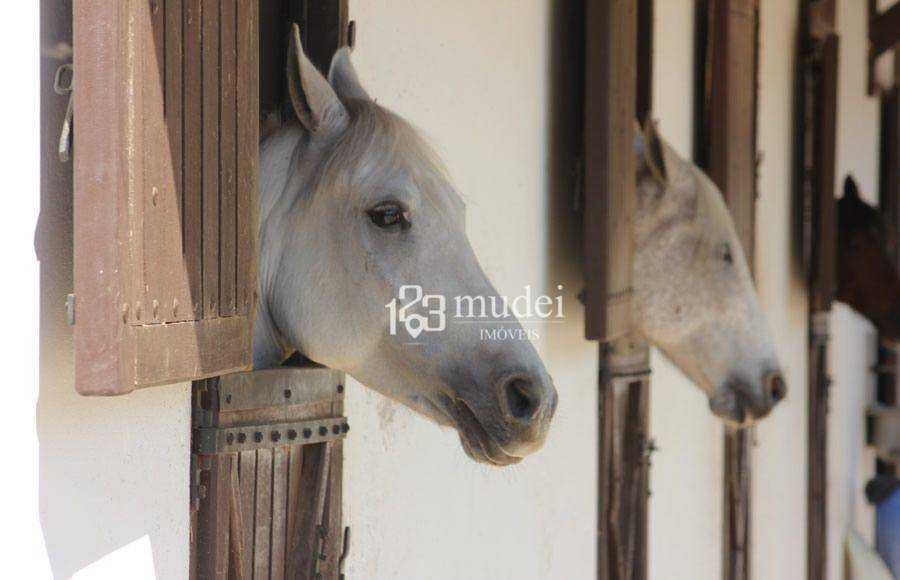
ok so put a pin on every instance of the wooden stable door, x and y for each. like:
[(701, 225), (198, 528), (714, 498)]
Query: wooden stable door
[(266, 476)]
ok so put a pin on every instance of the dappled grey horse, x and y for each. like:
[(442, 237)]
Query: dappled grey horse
[(353, 207), (694, 295)]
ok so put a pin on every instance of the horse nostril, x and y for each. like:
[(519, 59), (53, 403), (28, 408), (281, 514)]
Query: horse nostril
[(775, 385), (521, 399)]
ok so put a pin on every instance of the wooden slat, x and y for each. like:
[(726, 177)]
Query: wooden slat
[(236, 524), (213, 541), (210, 100), (279, 511), (101, 268), (295, 470), (228, 157), (193, 153), (818, 68), (263, 526), (727, 32), (609, 166), (623, 471), (248, 509), (248, 155), (156, 194), (178, 306), (645, 22), (303, 542)]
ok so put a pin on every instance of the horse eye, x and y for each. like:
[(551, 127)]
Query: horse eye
[(726, 254), (389, 215)]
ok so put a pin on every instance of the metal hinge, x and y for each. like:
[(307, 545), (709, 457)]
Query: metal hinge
[(70, 309), (62, 85), (211, 440)]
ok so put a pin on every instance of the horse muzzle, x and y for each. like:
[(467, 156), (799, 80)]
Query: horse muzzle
[(740, 404), (505, 433)]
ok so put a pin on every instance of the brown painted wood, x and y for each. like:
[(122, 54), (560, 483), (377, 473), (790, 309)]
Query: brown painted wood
[(178, 308), (816, 133), (210, 78), (281, 457), (213, 555), (623, 461), (228, 157), (248, 509), (192, 201), (726, 147), (158, 167), (236, 524), (263, 525), (609, 166), (303, 543), (247, 142), (645, 23)]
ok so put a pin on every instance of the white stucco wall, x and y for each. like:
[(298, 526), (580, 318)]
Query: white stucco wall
[(100, 485)]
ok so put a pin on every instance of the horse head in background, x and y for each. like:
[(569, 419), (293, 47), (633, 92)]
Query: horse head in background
[(694, 296), (354, 207), (867, 276)]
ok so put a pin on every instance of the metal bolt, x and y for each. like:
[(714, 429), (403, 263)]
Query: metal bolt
[(242, 437), (229, 438), (323, 431), (307, 433), (227, 399), (340, 388), (287, 393), (258, 437), (345, 427), (276, 435), (292, 434), (336, 429)]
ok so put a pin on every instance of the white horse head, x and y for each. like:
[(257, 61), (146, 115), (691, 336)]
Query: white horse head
[(695, 298), (354, 206)]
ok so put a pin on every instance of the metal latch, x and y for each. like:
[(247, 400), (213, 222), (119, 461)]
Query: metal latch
[(62, 84)]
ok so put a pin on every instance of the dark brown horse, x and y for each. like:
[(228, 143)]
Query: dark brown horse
[(867, 276)]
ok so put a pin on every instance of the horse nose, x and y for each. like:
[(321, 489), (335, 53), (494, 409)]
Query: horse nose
[(524, 399), (519, 399), (775, 386)]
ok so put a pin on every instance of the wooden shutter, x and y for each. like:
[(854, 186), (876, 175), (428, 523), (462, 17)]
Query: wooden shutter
[(618, 75), (726, 147), (165, 208)]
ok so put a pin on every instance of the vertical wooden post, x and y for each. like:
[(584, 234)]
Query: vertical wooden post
[(726, 147), (816, 133), (618, 87), (889, 354)]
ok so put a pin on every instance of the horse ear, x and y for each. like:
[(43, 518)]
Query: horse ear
[(851, 190), (343, 79), (315, 103), (648, 149)]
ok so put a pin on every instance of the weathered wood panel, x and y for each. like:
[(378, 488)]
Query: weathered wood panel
[(165, 191), (609, 166), (817, 68), (726, 147), (281, 494)]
